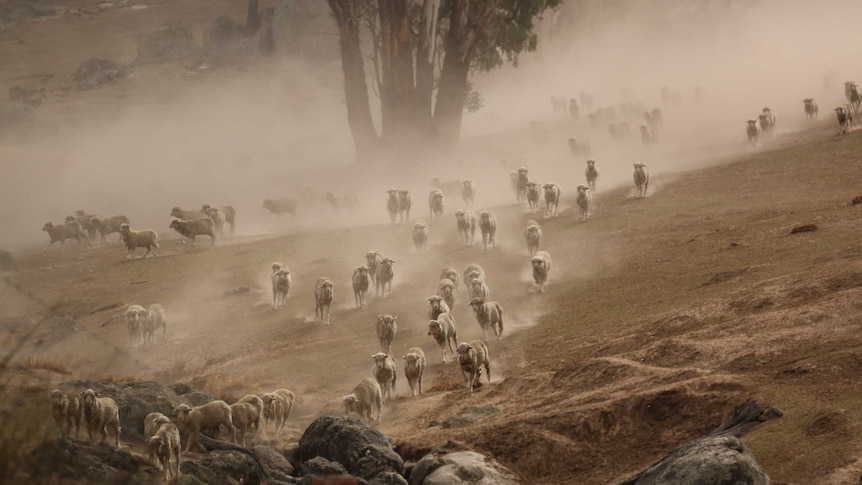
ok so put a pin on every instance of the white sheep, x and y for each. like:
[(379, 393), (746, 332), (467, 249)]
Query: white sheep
[(194, 228), (323, 295), (522, 180), (108, 225), (405, 203), (541, 264), (533, 191), (243, 415), (414, 367), (385, 275), (67, 412), (466, 221), (552, 199), (435, 204), (478, 287), (372, 261), (152, 423), (641, 177), (186, 215), (452, 275), (153, 320), (219, 218), (444, 333), (584, 202), (135, 324), (164, 449), (471, 358), (101, 415), (257, 404), (69, 230), (420, 235), (488, 226), (472, 268), (437, 306), (229, 214), (360, 285), (385, 371), (280, 285), (277, 406), (365, 400), (387, 327), (488, 314), (533, 235), (468, 193), (201, 418), (447, 290), (592, 174), (139, 239), (392, 204)]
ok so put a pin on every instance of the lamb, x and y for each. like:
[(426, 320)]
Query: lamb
[(468, 193), (488, 314), (360, 285), (243, 415), (152, 423), (435, 204), (641, 177), (845, 119), (108, 225), (414, 367), (552, 199), (387, 327), (323, 295), (154, 318), (277, 406), (446, 290), (194, 228), (405, 203), (280, 285), (101, 415), (592, 174), (533, 235), (69, 230), (478, 287), (437, 306), (584, 202), (385, 275), (201, 418), (219, 218), (488, 226), (466, 221), (811, 109), (532, 194), (139, 239), (134, 324), (67, 412), (541, 263), (392, 204), (471, 357), (164, 447), (281, 206), (752, 132), (444, 333), (420, 235), (186, 215), (373, 259), (469, 270), (365, 400), (385, 371), (229, 215), (451, 275)]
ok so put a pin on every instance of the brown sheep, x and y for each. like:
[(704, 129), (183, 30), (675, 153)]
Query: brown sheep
[(194, 228)]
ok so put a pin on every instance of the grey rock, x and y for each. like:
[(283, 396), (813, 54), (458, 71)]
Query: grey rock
[(274, 463), (322, 467), (79, 461), (204, 474), (235, 465), (463, 467), (95, 72)]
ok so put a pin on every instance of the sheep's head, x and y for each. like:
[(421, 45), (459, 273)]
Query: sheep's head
[(88, 398), (326, 288), (435, 302), (582, 188), (412, 359), (57, 397), (538, 264), (477, 303), (386, 319), (276, 267), (371, 258), (591, 163), (350, 403), (464, 352), (80, 213), (267, 204), (485, 217), (468, 183), (362, 271), (176, 223), (205, 208), (70, 219), (460, 215), (379, 358), (48, 226), (447, 289), (181, 411), (268, 401), (387, 262), (176, 212), (435, 328)]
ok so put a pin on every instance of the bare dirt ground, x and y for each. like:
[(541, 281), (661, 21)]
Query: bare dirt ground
[(661, 314)]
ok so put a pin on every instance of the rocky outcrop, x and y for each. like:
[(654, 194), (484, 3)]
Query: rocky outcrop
[(95, 72), (83, 463), (441, 467), (171, 42)]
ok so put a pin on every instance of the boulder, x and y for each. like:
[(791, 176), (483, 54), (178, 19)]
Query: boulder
[(274, 463), (95, 72), (204, 474), (171, 42), (234, 464), (441, 467), (27, 95), (82, 462), (7, 261), (363, 451), (224, 41), (470, 416), (322, 467)]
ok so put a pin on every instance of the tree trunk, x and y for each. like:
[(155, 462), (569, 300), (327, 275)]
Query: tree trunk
[(425, 53), (252, 24), (346, 13), (452, 92), (396, 89)]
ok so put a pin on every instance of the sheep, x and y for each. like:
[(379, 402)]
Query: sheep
[(392, 204), (86, 222), (385, 275), (444, 333), (134, 324), (765, 124), (218, 216), (592, 174), (67, 412), (847, 89), (468, 193), (420, 235), (584, 202), (845, 119), (541, 264), (323, 294), (641, 178), (186, 215), (533, 235), (280, 286), (574, 111), (435, 204), (360, 285), (469, 270), (579, 148), (447, 290), (139, 239), (387, 327), (523, 180), (108, 225), (532, 194), (101, 415), (451, 275), (277, 406), (385, 371), (348, 201), (373, 260), (466, 221), (513, 182), (437, 306), (855, 98), (558, 104), (488, 226), (488, 314), (257, 404), (471, 357), (229, 215), (752, 132), (194, 228), (152, 423), (201, 418), (811, 110), (243, 415), (552, 199), (414, 367), (153, 319), (365, 400), (405, 203), (164, 448), (69, 230), (280, 206), (450, 189), (646, 137)]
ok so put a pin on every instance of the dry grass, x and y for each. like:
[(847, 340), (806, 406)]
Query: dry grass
[(48, 364), (123, 378)]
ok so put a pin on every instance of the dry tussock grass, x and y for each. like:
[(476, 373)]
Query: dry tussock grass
[(49, 364), (123, 378)]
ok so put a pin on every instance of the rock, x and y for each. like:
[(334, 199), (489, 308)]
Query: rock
[(179, 388), (322, 467), (95, 72), (64, 326), (224, 41), (441, 467), (274, 463), (81, 462), (233, 464), (29, 96), (362, 450), (470, 416), (204, 474), (171, 42), (7, 261), (803, 228), (195, 398), (334, 480)]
